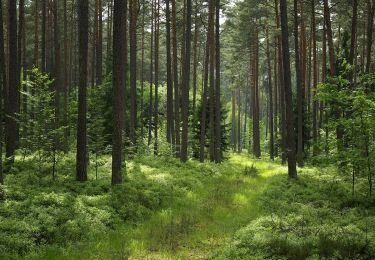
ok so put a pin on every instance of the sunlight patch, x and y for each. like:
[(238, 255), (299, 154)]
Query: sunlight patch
[(240, 199)]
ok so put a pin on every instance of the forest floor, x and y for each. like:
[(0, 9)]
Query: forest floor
[(241, 209)]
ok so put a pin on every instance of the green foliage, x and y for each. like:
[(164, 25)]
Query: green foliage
[(350, 107), (225, 128), (251, 171), (313, 217), (42, 132)]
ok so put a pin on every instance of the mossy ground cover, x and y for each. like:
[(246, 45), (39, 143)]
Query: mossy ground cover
[(241, 209)]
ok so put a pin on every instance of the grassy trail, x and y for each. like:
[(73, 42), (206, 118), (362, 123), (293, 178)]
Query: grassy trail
[(197, 224)]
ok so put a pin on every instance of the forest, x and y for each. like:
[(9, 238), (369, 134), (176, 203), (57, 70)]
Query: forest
[(189, 129)]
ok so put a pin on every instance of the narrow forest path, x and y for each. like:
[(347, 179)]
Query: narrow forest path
[(216, 201), (215, 212)]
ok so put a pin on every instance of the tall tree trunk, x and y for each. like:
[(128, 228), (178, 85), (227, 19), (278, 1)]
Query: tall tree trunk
[(186, 83), (13, 88), (281, 88), (195, 61), (315, 81), (57, 64), (353, 39), (133, 15), (151, 75), (44, 28), (170, 123), (327, 18), (2, 90), (255, 98), (292, 170), (239, 134), (156, 109), (109, 34), (118, 90), (324, 78), (82, 156), (275, 101), (99, 44), (270, 97), (370, 25), (36, 34), (234, 135), (150, 113), (218, 154), (66, 79), (175, 79), (211, 13), (142, 65), (299, 79), (202, 143), (20, 63)]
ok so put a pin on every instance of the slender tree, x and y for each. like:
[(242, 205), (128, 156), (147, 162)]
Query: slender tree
[(255, 96), (353, 39), (156, 109), (170, 123), (151, 74), (315, 80), (292, 171), (44, 28), (218, 156), (331, 50), (175, 80), (202, 143), (13, 87), (66, 79), (299, 80), (370, 26), (118, 89), (270, 96), (36, 34), (211, 11), (133, 17), (99, 44), (2, 90), (186, 83), (82, 155)]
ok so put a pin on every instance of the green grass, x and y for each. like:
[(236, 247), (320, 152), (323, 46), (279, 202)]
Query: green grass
[(209, 204), (241, 209)]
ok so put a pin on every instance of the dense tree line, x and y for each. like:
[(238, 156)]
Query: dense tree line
[(159, 77)]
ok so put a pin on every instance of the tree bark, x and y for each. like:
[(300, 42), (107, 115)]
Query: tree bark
[(99, 44), (175, 79), (156, 109), (299, 80), (270, 97), (186, 83), (119, 16), (315, 81), (82, 156), (353, 39), (202, 143), (44, 22), (218, 153), (292, 170), (13, 88), (150, 113), (170, 123), (36, 34), (2, 90), (370, 25), (211, 13), (327, 18), (133, 15)]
